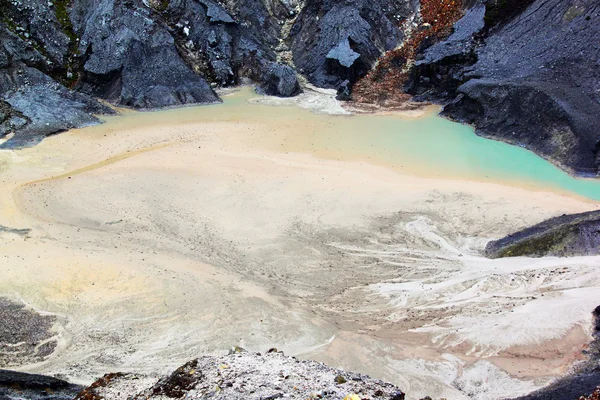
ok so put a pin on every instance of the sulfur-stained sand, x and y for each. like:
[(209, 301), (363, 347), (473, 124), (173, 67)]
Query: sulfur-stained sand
[(158, 237)]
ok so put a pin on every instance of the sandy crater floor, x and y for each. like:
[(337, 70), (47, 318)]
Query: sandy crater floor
[(155, 238)]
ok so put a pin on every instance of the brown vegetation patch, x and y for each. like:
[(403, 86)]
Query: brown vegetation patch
[(384, 84), (89, 393)]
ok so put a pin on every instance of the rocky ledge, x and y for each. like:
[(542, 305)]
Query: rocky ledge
[(242, 375), (522, 71), (566, 235)]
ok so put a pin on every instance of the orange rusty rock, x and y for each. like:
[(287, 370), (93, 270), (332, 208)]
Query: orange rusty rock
[(384, 84)]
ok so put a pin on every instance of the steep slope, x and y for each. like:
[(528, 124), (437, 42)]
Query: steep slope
[(241, 375), (567, 235), (32, 103), (57, 57), (334, 41), (19, 385), (131, 59), (524, 72)]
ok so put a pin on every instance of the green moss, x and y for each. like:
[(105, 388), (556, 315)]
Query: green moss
[(12, 27), (554, 243), (159, 5), (573, 13), (71, 62)]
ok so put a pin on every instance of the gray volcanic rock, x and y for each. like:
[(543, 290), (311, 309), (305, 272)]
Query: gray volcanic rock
[(131, 59), (136, 53), (280, 80), (33, 104), (440, 70), (530, 76), (460, 42), (42, 107), (224, 44), (567, 235), (44, 43), (242, 376), (25, 335), (335, 41), (343, 54)]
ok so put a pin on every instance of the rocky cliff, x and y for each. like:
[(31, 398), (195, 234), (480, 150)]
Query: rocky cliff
[(526, 72), (523, 71), (58, 57)]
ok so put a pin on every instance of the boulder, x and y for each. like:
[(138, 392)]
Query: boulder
[(525, 72), (280, 80), (566, 235)]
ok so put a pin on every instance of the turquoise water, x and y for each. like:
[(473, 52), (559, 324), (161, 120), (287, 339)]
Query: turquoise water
[(427, 146), (447, 149)]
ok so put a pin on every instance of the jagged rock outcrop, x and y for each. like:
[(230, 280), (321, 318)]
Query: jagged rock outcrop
[(131, 59), (525, 72), (242, 376), (165, 53), (335, 41), (32, 103), (57, 56), (567, 235)]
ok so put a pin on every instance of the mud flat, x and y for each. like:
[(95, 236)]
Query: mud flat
[(158, 237)]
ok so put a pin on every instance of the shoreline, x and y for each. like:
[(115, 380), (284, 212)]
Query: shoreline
[(423, 109)]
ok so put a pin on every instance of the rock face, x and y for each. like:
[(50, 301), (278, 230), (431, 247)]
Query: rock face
[(131, 59), (280, 80), (56, 57), (334, 41), (244, 376), (525, 72), (32, 103), (567, 235)]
